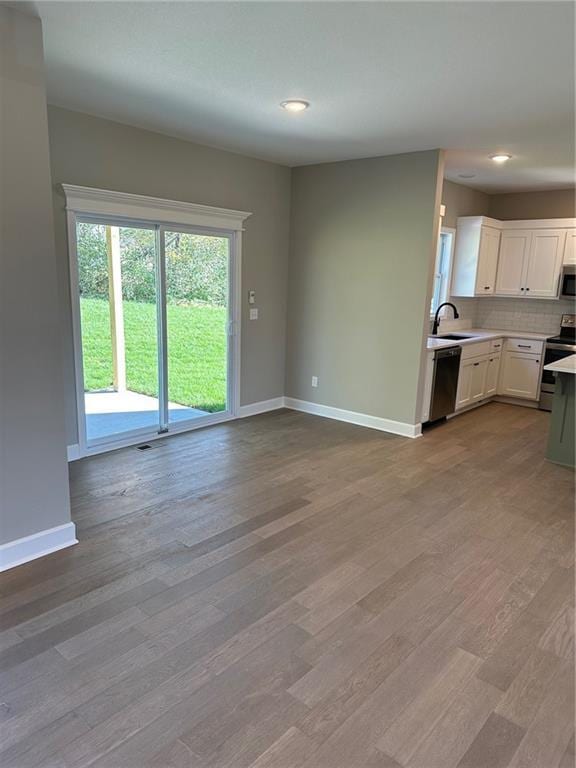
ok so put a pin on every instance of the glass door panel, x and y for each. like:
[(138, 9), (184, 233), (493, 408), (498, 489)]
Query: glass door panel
[(197, 314), (119, 325)]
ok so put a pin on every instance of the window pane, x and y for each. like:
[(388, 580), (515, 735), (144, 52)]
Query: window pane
[(117, 282), (197, 317)]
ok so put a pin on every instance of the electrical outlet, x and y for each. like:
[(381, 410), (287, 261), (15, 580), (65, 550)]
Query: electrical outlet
[(314, 381), (253, 314)]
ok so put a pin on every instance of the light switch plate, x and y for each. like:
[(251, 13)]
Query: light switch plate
[(251, 297), (253, 314)]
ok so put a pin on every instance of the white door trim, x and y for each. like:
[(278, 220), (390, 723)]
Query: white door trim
[(105, 202)]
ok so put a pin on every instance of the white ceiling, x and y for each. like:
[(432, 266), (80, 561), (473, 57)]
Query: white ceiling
[(382, 78)]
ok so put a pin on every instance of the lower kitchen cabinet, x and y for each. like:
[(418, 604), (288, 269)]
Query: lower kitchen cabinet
[(492, 372), (520, 375), (471, 382), (478, 380)]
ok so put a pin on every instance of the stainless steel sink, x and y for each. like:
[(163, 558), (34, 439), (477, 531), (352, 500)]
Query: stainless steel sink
[(453, 336)]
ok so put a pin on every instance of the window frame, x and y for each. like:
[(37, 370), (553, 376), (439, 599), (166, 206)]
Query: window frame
[(446, 291)]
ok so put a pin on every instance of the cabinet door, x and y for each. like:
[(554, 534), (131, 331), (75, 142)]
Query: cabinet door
[(570, 247), (513, 262), (478, 380), (520, 375), (487, 261), (492, 371), (544, 263), (463, 394)]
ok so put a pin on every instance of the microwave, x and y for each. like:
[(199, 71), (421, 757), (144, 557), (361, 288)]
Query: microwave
[(568, 282)]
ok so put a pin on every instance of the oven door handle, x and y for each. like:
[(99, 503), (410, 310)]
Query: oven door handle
[(570, 349)]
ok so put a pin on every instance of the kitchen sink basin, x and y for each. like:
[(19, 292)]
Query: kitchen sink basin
[(453, 336)]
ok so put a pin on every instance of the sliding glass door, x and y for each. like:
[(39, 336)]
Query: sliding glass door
[(154, 317), (197, 319)]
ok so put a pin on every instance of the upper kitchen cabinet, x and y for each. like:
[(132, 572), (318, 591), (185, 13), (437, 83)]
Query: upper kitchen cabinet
[(570, 247), (545, 263), (529, 263), (513, 262), (476, 256), (512, 258)]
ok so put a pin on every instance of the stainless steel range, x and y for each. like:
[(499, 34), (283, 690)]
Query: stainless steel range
[(557, 347)]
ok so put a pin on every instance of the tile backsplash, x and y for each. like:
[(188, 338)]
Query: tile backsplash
[(536, 315)]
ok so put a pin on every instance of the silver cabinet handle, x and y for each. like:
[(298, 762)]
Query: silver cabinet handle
[(525, 346)]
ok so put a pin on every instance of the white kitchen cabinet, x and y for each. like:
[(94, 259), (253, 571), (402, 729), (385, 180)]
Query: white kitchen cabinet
[(487, 261), (570, 247), (544, 263), (529, 263), (472, 374), (492, 374), (464, 391), (475, 257), (520, 376), (513, 262), (478, 379)]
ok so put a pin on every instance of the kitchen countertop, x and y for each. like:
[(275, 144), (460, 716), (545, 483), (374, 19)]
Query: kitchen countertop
[(482, 334), (565, 365)]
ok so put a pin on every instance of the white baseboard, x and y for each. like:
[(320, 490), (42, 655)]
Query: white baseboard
[(39, 544), (261, 407), (73, 452), (361, 419)]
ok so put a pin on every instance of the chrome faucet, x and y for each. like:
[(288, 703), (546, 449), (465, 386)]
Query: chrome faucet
[(437, 322)]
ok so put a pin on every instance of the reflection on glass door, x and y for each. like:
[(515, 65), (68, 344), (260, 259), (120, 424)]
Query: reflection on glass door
[(197, 305), (118, 310)]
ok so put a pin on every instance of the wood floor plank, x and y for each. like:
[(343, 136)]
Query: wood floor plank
[(494, 745), (321, 596), (526, 693), (406, 734), (451, 737), (550, 732)]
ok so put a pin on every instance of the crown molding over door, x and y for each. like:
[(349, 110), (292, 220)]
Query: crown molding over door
[(104, 202)]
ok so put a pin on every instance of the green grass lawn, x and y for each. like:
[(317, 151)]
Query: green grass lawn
[(196, 351)]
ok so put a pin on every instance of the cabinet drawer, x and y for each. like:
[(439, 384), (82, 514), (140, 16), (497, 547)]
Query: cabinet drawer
[(530, 346), (475, 350), (496, 345)]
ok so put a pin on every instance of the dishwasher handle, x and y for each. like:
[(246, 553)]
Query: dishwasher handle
[(448, 352)]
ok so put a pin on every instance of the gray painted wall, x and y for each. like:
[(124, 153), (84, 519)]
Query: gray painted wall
[(33, 468), (552, 204), (463, 201), (362, 242), (99, 153)]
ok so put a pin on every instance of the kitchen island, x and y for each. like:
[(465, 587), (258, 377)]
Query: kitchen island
[(560, 449)]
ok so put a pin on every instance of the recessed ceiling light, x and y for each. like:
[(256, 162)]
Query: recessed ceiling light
[(295, 105), (500, 157), (466, 175)]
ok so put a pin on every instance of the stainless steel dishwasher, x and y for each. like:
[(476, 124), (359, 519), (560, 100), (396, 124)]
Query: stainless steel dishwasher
[(444, 382)]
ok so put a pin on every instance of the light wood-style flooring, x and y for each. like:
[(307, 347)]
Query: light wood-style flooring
[(288, 591)]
